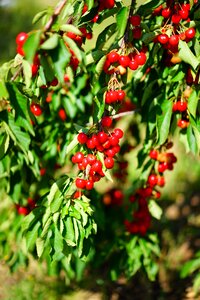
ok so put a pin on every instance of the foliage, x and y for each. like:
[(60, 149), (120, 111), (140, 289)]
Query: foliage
[(63, 102)]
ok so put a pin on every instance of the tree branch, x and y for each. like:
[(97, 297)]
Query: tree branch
[(56, 13)]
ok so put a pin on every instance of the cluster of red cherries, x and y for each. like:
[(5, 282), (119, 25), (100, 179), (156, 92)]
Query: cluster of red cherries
[(89, 164), (141, 216), (101, 5), (173, 29), (181, 108), (115, 62), (26, 209)]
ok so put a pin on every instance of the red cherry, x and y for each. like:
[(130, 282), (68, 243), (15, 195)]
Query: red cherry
[(43, 171), (113, 57), (190, 33), (140, 58), (184, 13), (71, 35), (22, 210), (20, 50), (109, 162), (54, 82), (176, 18), (160, 181), (102, 137), (174, 40), (82, 138), (137, 33), (91, 159), (183, 124), (97, 166), (78, 157), (34, 69), (36, 109), (121, 95), (175, 107), (124, 61), (153, 154), (90, 144), (133, 65), (89, 185), (135, 20), (181, 105), (95, 19), (118, 133), (152, 179), (80, 183), (186, 6), (114, 140), (163, 38), (166, 12), (106, 121), (62, 114), (21, 38)]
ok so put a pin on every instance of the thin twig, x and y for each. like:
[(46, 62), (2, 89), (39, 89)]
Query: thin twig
[(125, 113), (56, 13), (16, 73)]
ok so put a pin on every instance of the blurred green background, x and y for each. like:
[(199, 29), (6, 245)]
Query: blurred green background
[(180, 225)]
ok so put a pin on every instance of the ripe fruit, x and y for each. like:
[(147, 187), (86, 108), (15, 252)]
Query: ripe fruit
[(36, 109), (21, 38), (166, 12), (118, 133), (190, 33), (109, 162), (106, 121), (163, 38), (153, 154), (82, 138), (62, 114), (89, 184), (135, 20), (140, 58), (80, 183), (124, 61), (113, 57), (152, 180), (174, 40)]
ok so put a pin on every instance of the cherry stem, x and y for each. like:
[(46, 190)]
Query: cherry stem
[(56, 13), (125, 113), (16, 73)]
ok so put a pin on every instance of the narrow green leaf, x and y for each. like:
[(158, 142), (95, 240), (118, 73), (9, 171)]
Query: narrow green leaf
[(58, 240), (186, 55), (193, 103), (72, 145), (155, 209), (4, 145), (73, 46), (105, 35), (163, 121), (192, 140), (70, 28), (122, 19), (40, 246), (70, 234), (51, 42), (31, 45), (32, 235), (39, 16)]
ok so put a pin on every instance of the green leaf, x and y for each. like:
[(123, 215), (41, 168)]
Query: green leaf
[(186, 55), (70, 28), (32, 235), (191, 140), (190, 267), (4, 145), (73, 46), (193, 103), (72, 145), (39, 16), (27, 72), (155, 209), (56, 203), (31, 45), (51, 42), (61, 57), (122, 19), (70, 234), (105, 35), (40, 246), (58, 241), (163, 121)]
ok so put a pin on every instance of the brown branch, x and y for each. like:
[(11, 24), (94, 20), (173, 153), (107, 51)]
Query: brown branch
[(56, 13), (16, 73)]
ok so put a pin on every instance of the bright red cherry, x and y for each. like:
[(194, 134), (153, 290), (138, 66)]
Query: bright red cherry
[(135, 20), (21, 38), (133, 65), (36, 109), (181, 105), (140, 58), (89, 184), (109, 162), (166, 12), (153, 154), (121, 95), (106, 121), (62, 114), (124, 61), (163, 38), (174, 40), (184, 13), (152, 179), (190, 33), (113, 57), (80, 183), (82, 138), (118, 133), (176, 18)]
